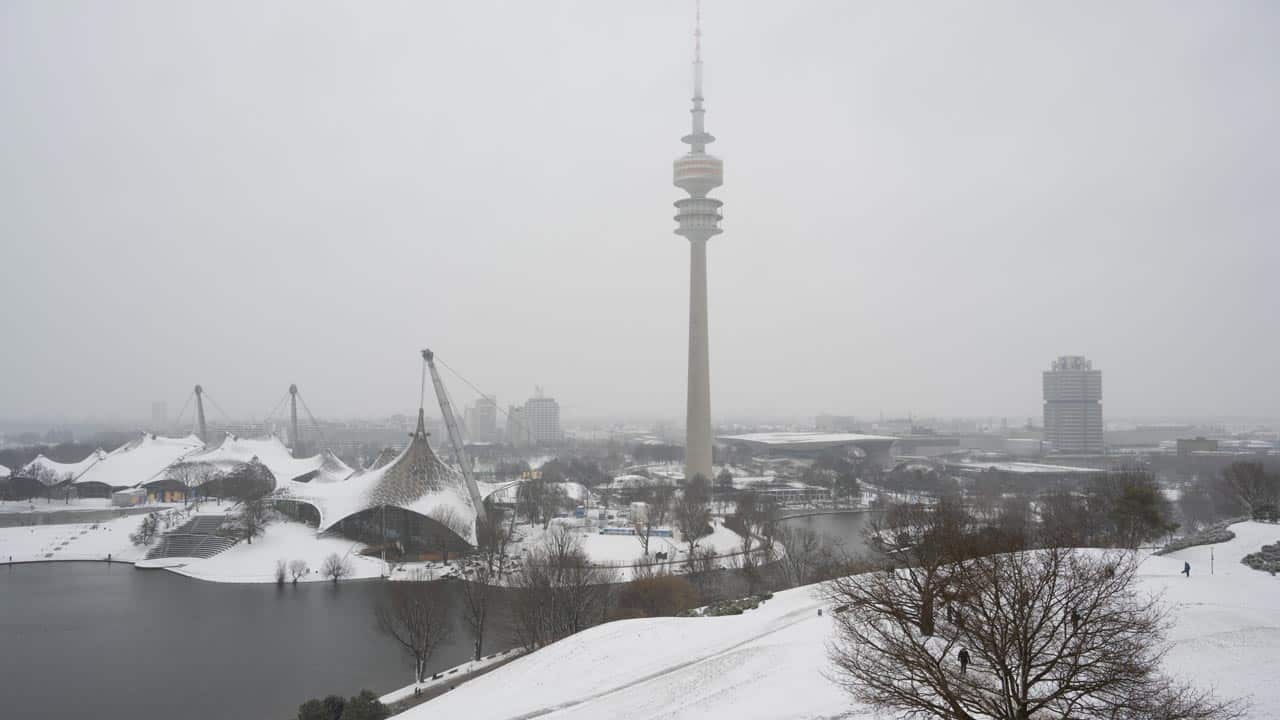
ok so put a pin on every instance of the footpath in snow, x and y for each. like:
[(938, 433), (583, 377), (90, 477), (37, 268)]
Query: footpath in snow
[(771, 662)]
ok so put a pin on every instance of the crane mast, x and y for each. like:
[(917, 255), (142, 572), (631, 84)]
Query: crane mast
[(455, 436)]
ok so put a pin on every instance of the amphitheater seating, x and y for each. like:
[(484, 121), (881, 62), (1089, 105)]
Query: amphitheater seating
[(196, 538)]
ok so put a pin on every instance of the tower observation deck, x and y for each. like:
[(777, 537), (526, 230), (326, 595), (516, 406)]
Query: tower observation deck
[(698, 173)]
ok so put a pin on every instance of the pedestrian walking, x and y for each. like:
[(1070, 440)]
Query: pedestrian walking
[(964, 661), (1186, 569)]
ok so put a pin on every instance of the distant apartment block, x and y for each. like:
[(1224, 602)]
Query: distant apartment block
[(517, 427), (1073, 406), (482, 420)]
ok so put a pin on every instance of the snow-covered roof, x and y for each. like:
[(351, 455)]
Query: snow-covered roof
[(416, 480), (507, 493), (61, 471), (140, 461), (1024, 468), (806, 439), (626, 482), (234, 451)]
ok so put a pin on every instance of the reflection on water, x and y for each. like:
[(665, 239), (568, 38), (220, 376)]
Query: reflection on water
[(845, 528), (108, 641)]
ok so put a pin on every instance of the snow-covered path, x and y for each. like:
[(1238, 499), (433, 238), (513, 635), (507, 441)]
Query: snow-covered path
[(771, 662)]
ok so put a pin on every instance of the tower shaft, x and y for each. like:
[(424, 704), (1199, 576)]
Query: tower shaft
[(697, 459)]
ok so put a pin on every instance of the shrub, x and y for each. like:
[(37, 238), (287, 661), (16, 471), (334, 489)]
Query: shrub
[(1267, 560), (365, 706), (658, 596), (329, 708)]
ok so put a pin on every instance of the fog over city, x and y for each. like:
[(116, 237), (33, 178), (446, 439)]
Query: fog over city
[(924, 205)]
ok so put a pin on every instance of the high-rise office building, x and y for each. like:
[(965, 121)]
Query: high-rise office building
[(1073, 406), (542, 415)]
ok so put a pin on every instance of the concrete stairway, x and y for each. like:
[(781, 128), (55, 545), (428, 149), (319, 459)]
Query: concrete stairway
[(196, 538)]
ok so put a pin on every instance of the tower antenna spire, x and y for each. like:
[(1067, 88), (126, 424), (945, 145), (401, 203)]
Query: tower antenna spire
[(697, 32), (697, 55)]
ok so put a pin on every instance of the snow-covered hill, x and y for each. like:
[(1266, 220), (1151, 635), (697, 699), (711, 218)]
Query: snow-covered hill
[(771, 662)]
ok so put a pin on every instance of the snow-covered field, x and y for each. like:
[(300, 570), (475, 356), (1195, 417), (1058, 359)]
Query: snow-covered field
[(771, 662), (625, 550), (77, 541), (256, 563), (75, 505)]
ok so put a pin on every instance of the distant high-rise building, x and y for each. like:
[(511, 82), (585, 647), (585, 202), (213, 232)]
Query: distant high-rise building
[(482, 420), (159, 416), (1073, 406), (542, 416), (518, 434)]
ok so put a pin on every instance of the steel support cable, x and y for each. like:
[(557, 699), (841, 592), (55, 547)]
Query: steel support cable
[(275, 409), (218, 407), (315, 423), (479, 392), (177, 422)]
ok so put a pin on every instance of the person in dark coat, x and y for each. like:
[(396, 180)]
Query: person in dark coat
[(1186, 569), (964, 661)]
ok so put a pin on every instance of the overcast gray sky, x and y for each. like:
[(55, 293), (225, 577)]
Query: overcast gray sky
[(924, 204)]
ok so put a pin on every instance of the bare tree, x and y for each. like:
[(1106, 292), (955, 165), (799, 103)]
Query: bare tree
[(147, 530), (492, 538), (191, 475), (927, 539), (540, 500), (46, 478), (456, 525), (416, 620), (66, 491), (253, 517), (282, 571), (692, 515), (1249, 483), (335, 567), (802, 553), (297, 569), (477, 597), (558, 592), (1049, 633)]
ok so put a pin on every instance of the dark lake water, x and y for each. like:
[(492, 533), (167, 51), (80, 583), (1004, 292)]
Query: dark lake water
[(845, 527), (112, 642)]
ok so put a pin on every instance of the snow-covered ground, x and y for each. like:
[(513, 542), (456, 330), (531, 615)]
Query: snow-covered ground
[(625, 550), (288, 541), (76, 541), (771, 662), (40, 505)]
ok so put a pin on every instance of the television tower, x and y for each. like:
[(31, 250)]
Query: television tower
[(698, 173)]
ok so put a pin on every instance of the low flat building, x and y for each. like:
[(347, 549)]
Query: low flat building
[(876, 448)]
